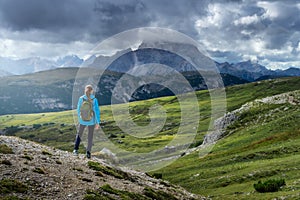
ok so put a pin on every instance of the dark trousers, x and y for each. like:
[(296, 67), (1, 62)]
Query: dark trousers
[(90, 137)]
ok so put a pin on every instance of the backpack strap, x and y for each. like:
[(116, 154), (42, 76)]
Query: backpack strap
[(87, 99)]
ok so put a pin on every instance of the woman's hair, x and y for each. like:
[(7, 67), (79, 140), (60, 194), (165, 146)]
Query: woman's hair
[(88, 90)]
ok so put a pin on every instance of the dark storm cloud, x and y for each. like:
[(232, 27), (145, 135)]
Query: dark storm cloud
[(94, 20), (51, 15), (70, 20), (233, 29), (177, 14), (112, 17), (284, 24), (54, 20)]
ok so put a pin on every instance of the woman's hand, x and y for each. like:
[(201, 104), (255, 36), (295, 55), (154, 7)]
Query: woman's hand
[(97, 126)]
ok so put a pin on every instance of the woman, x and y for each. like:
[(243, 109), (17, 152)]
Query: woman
[(88, 115)]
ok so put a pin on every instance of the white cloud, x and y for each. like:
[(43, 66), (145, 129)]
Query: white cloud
[(247, 20), (262, 31), (217, 16), (272, 9), (23, 49), (281, 65)]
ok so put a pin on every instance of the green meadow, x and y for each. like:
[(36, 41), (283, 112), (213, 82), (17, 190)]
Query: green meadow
[(264, 143)]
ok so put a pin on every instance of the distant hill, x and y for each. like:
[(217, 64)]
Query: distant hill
[(45, 91), (52, 90)]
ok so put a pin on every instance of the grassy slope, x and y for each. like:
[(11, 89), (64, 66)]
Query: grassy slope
[(264, 144), (259, 148), (251, 153)]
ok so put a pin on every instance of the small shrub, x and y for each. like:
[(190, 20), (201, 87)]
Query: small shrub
[(87, 180), (27, 157), (36, 126), (165, 184), (112, 136), (5, 149), (44, 152), (159, 195), (10, 186), (39, 170), (78, 169), (24, 169), (272, 185), (196, 144), (98, 174), (94, 165), (109, 189), (11, 130), (157, 175), (95, 197), (6, 162), (126, 195), (109, 171)]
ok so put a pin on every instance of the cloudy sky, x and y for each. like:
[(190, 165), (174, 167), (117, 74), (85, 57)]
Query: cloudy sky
[(229, 30)]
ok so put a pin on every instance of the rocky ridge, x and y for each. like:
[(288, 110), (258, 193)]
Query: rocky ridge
[(48, 173), (220, 124)]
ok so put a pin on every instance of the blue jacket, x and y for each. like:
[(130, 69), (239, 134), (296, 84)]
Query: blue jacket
[(96, 118)]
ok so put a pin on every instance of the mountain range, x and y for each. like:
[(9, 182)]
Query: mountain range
[(129, 61), (10, 66), (252, 71), (48, 85)]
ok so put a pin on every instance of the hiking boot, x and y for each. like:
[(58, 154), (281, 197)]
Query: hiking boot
[(88, 154), (75, 152)]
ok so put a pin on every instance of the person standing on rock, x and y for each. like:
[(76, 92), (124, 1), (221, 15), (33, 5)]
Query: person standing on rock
[(88, 116)]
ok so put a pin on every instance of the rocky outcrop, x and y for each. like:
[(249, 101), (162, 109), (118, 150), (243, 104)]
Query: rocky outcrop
[(229, 118), (222, 123), (41, 172)]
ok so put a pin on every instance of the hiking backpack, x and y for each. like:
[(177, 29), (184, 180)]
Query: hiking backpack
[(86, 110)]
